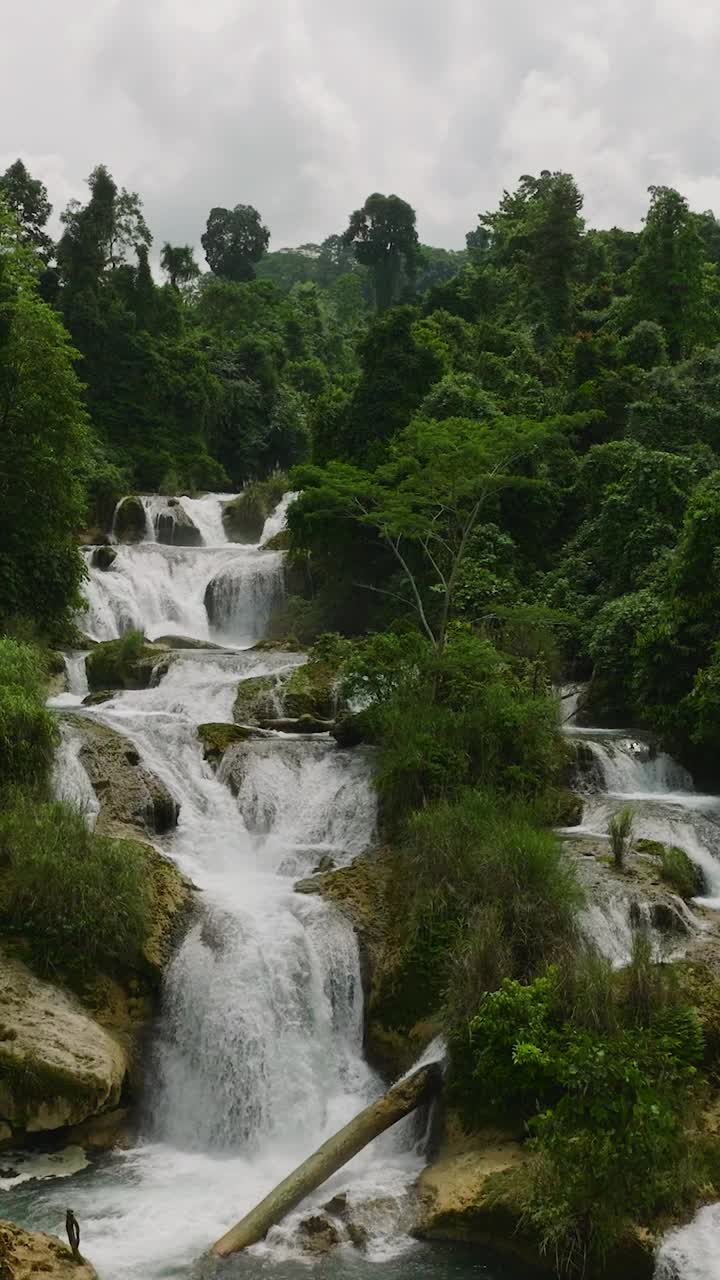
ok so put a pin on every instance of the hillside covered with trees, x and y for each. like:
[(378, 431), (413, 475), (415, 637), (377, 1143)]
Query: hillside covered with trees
[(508, 466)]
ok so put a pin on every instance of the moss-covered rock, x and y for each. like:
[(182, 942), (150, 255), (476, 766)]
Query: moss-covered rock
[(297, 724), (257, 699), (170, 904), (279, 541), (103, 557), (354, 728), (97, 699), (311, 690), (130, 523), (132, 799), (398, 1029), (676, 868), (25, 1255), (216, 738), (185, 642), (244, 517), (127, 663)]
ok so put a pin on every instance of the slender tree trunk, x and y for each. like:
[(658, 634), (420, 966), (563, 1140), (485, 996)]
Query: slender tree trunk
[(331, 1156)]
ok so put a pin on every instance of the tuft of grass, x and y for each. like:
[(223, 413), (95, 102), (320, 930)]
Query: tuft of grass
[(27, 729), (78, 901), (621, 831)]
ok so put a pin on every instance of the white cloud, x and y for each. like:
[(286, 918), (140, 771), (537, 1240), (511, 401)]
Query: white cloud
[(302, 107)]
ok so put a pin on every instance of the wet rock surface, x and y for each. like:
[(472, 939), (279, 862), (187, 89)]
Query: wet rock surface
[(132, 799)]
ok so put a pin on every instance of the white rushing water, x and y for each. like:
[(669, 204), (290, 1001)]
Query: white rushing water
[(258, 1055), (627, 770)]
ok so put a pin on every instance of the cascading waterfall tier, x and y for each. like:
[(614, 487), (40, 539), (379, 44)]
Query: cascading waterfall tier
[(205, 587), (258, 1054)]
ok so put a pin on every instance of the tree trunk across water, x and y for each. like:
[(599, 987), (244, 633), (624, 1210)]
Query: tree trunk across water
[(398, 1102)]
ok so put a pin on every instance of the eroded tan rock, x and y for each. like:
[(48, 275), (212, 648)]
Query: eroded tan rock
[(58, 1066), (25, 1255)]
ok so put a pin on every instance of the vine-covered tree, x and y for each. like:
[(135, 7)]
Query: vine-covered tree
[(234, 240), (43, 440), (668, 276), (27, 199)]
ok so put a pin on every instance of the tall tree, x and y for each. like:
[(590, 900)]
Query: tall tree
[(385, 239), (178, 263), (27, 200), (538, 231), (424, 504), (43, 442), (234, 241), (667, 279)]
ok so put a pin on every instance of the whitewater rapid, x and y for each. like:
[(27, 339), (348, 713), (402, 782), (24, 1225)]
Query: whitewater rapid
[(257, 1056)]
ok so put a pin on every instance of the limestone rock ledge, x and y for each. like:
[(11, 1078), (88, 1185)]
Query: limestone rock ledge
[(58, 1066), (24, 1255), (474, 1191)]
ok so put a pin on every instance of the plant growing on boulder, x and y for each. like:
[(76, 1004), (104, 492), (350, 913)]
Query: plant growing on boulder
[(621, 829)]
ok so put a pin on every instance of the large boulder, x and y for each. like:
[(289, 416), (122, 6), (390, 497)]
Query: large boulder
[(176, 528), (58, 1066), (257, 699), (127, 663), (244, 517), (217, 738), (103, 557), (130, 523), (25, 1255), (132, 799)]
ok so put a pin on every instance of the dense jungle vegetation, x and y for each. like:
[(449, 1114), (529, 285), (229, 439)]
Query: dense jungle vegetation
[(508, 460)]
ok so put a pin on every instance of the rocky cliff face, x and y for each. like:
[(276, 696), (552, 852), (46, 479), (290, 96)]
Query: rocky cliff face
[(58, 1066)]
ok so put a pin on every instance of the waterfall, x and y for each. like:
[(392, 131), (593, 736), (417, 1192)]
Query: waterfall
[(693, 1252), (661, 793), (219, 591), (258, 1053)]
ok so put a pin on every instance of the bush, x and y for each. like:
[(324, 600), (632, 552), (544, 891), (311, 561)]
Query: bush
[(27, 728), (683, 875), (621, 829), (606, 1085), (77, 900), (462, 718)]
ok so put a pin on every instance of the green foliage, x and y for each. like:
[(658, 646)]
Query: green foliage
[(42, 440), (607, 1093), (111, 665), (234, 241), (621, 829), (463, 717), (27, 729), (683, 875), (384, 238), (78, 901), (667, 278)]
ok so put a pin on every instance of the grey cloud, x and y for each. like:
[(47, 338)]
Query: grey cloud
[(302, 107)]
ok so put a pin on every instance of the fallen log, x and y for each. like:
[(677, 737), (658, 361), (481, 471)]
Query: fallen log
[(398, 1102)]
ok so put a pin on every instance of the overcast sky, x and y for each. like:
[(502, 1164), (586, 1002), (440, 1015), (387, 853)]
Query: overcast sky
[(304, 107)]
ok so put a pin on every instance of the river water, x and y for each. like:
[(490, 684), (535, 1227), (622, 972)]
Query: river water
[(257, 1055)]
